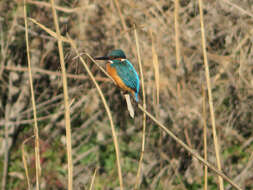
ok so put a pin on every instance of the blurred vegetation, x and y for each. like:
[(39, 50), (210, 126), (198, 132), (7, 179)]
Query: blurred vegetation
[(98, 27)]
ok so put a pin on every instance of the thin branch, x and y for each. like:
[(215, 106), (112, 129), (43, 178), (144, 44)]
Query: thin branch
[(108, 113), (100, 93), (36, 130), (192, 151)]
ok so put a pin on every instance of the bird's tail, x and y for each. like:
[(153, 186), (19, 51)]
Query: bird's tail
[(129, 105)]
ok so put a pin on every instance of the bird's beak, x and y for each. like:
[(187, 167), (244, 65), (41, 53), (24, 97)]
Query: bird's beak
[(102, 58)]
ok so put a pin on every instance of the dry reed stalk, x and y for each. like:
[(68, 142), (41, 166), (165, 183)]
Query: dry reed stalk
[(122, 20), (144, 105), (190, 150), (115, 141), (210, 97), (205, 136), (100, 93), (66, 99), (177, 42), (193, 152), (156, 70), (93, 179), (36, 130), (52, 33), (24, 154)]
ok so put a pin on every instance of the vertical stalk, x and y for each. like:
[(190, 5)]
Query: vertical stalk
[(66, 99), (205, 136), (210, 97), (36, 130), (144, 106)]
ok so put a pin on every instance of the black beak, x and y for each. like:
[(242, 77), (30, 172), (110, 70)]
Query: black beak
[(102, 58)]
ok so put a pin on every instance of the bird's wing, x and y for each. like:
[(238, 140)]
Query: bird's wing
[(128, 74)]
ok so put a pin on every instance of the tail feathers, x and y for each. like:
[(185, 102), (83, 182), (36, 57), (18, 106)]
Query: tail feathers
[(129, 105)]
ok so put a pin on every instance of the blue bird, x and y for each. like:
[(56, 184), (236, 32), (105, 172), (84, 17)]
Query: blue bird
[(122, 72)]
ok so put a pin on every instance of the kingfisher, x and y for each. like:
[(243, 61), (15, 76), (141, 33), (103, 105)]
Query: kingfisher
[(123, 73)]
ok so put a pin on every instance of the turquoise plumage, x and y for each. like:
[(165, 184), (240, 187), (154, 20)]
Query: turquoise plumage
[(128, 75), (124, 75)]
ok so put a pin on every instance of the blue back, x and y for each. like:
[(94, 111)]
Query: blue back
[(128, 75)]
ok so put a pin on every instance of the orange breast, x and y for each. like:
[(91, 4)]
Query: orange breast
[(113, 73)]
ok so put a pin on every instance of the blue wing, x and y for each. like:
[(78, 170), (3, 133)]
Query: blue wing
[(128, 74)]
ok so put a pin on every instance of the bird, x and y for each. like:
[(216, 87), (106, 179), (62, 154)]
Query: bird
[(123, 73)]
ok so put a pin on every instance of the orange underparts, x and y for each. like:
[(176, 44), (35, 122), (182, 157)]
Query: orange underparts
[(113, 73)]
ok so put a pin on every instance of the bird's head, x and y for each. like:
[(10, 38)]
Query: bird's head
[(117, 54)]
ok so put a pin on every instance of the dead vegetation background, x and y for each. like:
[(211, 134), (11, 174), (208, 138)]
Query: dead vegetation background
[(98, 27)]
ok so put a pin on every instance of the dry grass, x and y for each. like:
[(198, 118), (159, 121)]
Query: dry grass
[(93, 179), (204, 138), (170, 43), (144, 106), (210, 95), (24, 155), (66, 98), (36, 130)]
